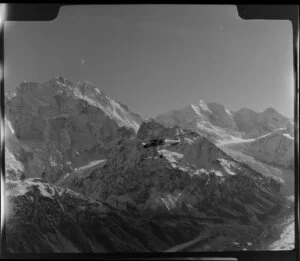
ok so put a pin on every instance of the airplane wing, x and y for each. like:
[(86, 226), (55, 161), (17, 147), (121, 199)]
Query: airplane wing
[(169, 141), (167, 145)]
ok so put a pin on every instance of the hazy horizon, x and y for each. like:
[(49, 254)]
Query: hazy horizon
[(157, 58)]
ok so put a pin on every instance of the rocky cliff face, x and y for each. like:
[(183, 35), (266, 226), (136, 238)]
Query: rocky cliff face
[(43, 218), (63, 125), (14, 154), (264, 141), (188, 179)]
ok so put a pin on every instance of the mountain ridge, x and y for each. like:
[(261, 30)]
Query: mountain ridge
[(213, 116), (81, 179), (59, 121)]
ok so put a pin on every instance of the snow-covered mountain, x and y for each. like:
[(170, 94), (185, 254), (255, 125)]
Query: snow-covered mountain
[(276, 147), (14, 154), (252, 124), (264, 141), (80, 179), (212, 120), (138, 204), (271, 154), (219, 124), (189, 179), (63, 125), (58, 97)]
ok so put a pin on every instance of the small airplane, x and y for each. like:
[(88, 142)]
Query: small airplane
[(160, 142), (164, 142)]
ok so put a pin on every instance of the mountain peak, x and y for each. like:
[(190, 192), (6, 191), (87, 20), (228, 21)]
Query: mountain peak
[(203, 106), (201, 102), (216, 106), (60, 80), (245, 110), (270, 110), (86, 85)]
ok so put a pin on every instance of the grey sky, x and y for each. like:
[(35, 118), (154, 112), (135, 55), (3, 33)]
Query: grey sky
[(156, 58)]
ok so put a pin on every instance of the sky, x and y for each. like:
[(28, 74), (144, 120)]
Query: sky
[(156, 58)]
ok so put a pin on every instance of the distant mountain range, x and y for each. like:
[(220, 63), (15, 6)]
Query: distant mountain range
[(218, 123), (264, 141), (76, 161)]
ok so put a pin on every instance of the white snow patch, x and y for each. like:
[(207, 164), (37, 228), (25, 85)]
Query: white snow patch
[(11, 163), (171, 156), (61, 191), (64, 177), (183, 169), (288, 136), (45, 193), (125, 115), (234, 140), (203, 106), (52, 162), (22, 187), (91, 164), (98, 91), (226, 165), (287, 236), (170, 201), (200, 172), (81, 171), (189, 140), (219, 173), (9, 126), (113, 111), (18, 189), (228, 112)]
